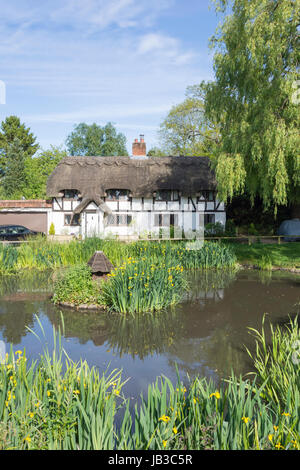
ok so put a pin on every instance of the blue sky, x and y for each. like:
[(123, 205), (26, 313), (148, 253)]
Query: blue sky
[(123, 61)]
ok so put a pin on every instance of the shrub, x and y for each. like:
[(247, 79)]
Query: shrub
[(52, 229), (214, 230), (75, 286), (230, 228)]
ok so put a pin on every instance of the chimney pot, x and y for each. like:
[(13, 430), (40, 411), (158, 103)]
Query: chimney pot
[(139, 147)]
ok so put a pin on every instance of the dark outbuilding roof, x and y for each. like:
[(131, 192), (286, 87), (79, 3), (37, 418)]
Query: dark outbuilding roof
[(99, 263), (93, 176)]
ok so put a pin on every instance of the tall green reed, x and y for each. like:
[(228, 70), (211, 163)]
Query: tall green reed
[(55, 403), (277, 362), (139, 286), (43, 254)]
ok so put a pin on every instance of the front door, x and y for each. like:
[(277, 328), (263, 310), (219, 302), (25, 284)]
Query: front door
[(91, 224)]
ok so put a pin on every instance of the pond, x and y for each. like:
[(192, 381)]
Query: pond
[(205, 335)]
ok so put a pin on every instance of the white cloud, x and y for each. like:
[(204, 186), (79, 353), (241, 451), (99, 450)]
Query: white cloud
[(93, 60), (86, 16), (105, 113), (167, 47), (153, 41)]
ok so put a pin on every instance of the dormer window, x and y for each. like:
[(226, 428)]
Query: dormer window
[(117, 195), (206, 196), (167, 195), (71, 194)]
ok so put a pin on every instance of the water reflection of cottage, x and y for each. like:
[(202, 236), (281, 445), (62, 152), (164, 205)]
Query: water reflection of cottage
[(132, 196)]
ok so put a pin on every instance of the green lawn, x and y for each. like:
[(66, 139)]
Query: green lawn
[(286, 255)]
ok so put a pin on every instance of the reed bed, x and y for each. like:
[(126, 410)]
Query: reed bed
[(61, 405), (276, 363), (139, 285), (148, 276), (190, 255), (43, 254), (55, 403)]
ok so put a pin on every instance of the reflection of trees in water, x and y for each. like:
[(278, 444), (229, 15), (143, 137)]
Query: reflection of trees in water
[(83, 325), (144, 334), (213, 355), (138, 335), (200, 334), (29, 281), (209, 284), (19, 301), (14, 317)]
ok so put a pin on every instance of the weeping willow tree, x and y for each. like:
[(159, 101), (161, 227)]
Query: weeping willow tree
[(255, 99)]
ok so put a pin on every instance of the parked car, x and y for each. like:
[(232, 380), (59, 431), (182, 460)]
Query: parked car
[(16, 232)]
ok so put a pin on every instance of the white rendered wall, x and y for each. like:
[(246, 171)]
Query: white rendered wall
[(142, 220)]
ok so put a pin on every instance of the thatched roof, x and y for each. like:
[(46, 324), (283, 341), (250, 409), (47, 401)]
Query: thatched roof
[(93, 176), (99, 263)]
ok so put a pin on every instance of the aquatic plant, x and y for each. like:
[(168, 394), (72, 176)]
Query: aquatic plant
[(56, 404), (40, 253), (277, 363), (265, 263), (139, 285)]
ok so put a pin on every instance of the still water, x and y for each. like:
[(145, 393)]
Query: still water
[(205, 335)]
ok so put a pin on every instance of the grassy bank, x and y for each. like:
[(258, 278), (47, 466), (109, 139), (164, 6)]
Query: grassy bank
[(267, 256), (58, 404)]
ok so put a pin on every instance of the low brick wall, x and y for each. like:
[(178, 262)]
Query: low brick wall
[(25, 204)]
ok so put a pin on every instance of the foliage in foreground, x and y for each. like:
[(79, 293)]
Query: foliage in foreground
[(277, 363), (58, 404)]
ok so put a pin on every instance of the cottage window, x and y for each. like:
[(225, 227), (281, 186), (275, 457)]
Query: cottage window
[(72, 219), (165, 220), (71, 194), (207, 196), (119, 220), (209, 219), (167, 195), (117, 195)]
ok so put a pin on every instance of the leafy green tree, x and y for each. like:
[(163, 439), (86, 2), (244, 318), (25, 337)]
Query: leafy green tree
[(253, 100), (95, 140), (186, 130), (14, 180), (156, 152), (38, 169), (11, 129)]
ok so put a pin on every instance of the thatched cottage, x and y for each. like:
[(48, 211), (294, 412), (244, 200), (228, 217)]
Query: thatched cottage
[(133, 196)]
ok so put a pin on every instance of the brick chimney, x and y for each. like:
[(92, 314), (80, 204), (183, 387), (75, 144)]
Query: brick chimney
[(139, 147)]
